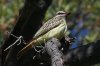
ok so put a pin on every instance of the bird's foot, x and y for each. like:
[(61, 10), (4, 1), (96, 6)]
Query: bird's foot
[(39, 50)]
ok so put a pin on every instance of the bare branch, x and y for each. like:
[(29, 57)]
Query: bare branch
[(30, 16)]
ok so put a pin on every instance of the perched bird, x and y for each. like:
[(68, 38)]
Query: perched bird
[(55, 27)]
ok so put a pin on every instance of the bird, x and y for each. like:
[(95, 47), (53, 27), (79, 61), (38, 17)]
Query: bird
[(54, 27)]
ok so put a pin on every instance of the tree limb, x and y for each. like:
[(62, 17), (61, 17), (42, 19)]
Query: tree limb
[(81, 56), (30, 16), (52, 49)]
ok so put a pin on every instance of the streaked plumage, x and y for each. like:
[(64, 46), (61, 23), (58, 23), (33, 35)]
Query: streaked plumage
[(55, 27)]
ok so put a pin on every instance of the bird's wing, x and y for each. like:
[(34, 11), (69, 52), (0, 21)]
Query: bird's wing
[(52, 23)]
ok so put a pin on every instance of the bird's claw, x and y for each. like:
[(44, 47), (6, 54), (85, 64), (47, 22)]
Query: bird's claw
[(39, 49)]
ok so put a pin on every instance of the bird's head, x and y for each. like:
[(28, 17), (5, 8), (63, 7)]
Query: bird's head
[(62, 13)]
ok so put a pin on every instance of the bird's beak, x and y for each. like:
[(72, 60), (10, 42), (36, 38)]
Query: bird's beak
[(68, 13)]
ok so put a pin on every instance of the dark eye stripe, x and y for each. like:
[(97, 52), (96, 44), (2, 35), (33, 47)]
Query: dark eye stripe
[(60, 13)]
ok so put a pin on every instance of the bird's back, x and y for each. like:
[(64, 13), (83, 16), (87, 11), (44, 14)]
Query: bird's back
[(50, 24)]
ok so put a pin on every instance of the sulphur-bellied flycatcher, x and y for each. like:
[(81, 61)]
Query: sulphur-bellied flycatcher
[(55, 27)]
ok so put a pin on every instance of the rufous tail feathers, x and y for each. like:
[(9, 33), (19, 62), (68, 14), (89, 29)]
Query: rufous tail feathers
[(24, 50)]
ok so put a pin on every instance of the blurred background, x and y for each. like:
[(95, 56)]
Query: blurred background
[(83, 23)]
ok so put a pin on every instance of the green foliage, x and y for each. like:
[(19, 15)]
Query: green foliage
[(8, 11)]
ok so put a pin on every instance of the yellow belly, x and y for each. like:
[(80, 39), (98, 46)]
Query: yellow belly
[(57, 32)]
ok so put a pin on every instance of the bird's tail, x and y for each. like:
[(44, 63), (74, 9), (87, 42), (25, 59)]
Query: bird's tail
[(25, 49)]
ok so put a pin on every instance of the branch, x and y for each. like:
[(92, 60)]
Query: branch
[(52, 49), (81, 56), (84, 55), (30, 16)]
